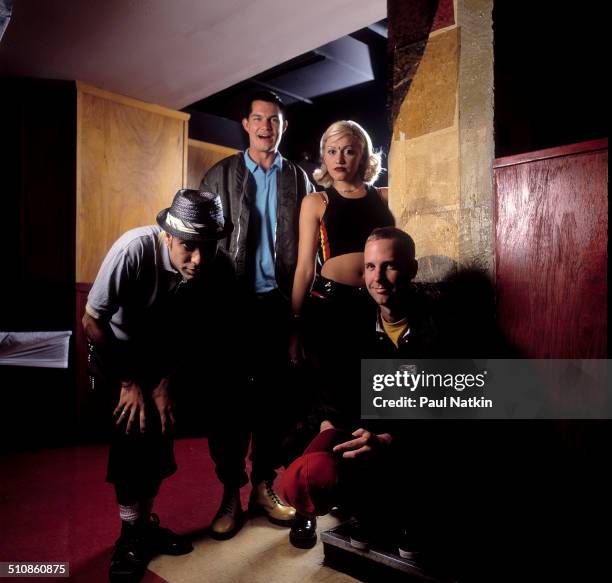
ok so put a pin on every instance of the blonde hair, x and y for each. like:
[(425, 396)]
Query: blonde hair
[(370, 164)]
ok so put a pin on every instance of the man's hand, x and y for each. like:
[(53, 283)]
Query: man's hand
[(130, 404), (365, 442), (164, 403)]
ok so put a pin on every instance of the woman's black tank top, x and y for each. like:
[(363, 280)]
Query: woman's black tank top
[(348, 222)]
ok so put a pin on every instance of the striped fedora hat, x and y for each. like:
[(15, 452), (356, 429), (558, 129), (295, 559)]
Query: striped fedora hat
[(195, 215)]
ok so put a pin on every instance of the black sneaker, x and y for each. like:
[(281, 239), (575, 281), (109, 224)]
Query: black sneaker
[(130, 556), (162, 541)]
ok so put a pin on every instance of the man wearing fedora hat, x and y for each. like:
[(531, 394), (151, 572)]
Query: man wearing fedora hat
[(151, 291), (262, 192)]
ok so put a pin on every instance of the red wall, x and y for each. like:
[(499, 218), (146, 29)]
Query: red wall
[(551, 250)]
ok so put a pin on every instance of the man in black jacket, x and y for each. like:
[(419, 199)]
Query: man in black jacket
[(410, 324), (371, 451), (375, 452), (382, 471), (261, 193)]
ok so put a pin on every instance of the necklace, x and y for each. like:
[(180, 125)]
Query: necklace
[(351, 189)]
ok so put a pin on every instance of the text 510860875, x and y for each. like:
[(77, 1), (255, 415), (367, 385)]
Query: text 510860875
[(34, 569)]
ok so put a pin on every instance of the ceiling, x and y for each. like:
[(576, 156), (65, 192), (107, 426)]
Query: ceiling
[(175, 53), (349, 61)]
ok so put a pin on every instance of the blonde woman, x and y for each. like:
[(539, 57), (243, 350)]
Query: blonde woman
[(334, 226)]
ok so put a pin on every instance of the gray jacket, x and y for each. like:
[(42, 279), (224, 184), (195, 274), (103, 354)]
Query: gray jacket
[(232, 181)]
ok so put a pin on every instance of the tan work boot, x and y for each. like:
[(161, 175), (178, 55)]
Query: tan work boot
[(230, 516), (265, 501)]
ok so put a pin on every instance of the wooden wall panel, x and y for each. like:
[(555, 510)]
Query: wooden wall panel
[(131, 159), (551, 251), (201, 157)]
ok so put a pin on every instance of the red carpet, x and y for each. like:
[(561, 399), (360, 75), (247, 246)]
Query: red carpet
[(55, 506)]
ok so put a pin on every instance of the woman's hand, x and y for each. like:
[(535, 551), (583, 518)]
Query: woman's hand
[(311, 212)]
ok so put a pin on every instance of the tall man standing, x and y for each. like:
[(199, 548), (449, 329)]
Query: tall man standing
[(261, 193)]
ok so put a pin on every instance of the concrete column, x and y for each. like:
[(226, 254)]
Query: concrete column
[(440, 164)]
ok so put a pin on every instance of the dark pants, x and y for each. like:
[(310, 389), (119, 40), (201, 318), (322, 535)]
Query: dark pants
[(138, 461), (262, 410), (338, 320)]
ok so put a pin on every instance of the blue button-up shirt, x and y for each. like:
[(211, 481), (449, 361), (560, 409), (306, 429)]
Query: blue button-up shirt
[(263, 217)]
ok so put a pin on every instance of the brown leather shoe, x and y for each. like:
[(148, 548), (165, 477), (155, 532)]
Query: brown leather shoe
[(230, 516), (265, 501)]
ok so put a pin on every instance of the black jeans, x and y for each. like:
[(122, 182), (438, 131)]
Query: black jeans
[(338, 319)]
